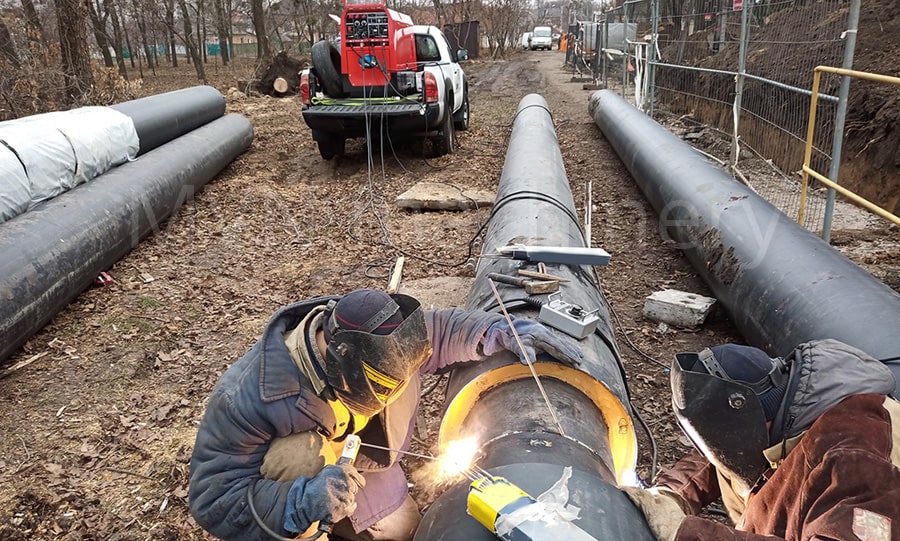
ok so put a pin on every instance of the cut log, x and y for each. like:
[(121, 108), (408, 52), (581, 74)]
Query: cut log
[(280, 85)]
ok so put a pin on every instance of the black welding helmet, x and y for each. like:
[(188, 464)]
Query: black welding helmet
[(722, 399), (376, 343)]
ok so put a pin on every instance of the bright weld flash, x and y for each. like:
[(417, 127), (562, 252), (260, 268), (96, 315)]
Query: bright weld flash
[(458, 457)]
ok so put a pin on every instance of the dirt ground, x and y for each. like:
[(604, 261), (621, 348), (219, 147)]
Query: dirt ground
[(98, 431)]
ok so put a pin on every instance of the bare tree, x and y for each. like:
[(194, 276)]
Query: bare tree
[(8, 46), (32, 22), (439, 12), (73, 47), (141, 18), (98, 24), (188, 39), (222, 31), (170, 30), (502, 20), (311, 18), (113, 12), (258, 14)]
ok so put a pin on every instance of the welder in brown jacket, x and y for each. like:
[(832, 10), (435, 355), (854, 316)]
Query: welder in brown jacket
[(801, 448)]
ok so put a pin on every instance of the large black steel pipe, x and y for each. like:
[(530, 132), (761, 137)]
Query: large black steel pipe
[(498, 402), (52, 253), (781, 284), (160, 118)]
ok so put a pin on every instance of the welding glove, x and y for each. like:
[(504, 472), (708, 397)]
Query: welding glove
[(534, 337), (328, 497), (663, 511)]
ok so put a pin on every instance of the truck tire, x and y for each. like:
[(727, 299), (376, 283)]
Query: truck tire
[(330, 148), (326, 59), (445, 142), (461, 117)]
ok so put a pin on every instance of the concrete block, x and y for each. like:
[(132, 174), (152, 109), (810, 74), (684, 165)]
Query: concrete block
[(678, 308), (441, 196)]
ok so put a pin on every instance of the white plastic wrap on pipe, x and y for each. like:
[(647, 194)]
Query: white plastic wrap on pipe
[(61, 150), (14, 190)]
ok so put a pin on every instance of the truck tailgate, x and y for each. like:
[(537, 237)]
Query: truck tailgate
[(386, 109)]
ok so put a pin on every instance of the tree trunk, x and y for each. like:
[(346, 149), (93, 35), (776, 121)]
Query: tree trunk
[(258, 15), (8, 46), (99, 26), (113, 13), (129, 47), (201, 31), (222, 31), (170, 30), (32, 22), (229, 28), (189, 42), (439, 12), (142, 29), (73, 47)]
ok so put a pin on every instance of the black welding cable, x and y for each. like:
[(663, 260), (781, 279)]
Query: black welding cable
[(259, 521)]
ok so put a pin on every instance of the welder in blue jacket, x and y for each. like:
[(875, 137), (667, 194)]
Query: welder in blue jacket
[(323, 369)]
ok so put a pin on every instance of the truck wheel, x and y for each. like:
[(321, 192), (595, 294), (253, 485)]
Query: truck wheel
[(326, 59), (445, 142), (461, 117), (330, 148)]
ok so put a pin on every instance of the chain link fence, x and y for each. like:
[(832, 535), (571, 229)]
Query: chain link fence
[(700, 58), (734, 80)]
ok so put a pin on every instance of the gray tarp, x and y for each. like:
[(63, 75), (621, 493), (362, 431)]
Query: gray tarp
[(60, 150)]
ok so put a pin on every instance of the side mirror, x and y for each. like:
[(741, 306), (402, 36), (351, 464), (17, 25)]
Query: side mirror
[(462, 54)]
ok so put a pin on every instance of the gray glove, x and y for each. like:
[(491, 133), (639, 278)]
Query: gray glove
[(328, 497), (534, 337), (662, 510)]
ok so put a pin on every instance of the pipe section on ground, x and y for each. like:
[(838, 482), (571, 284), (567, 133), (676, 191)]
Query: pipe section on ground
[(498, 402), (161, 118), (781, 284), (52, 253)]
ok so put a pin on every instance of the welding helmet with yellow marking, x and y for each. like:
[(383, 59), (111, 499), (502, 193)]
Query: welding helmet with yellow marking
[(723, 397), (376, 343)]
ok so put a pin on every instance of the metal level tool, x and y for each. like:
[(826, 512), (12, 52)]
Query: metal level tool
[(565, 255)]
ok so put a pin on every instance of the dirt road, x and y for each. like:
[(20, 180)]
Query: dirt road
[(99, 430)]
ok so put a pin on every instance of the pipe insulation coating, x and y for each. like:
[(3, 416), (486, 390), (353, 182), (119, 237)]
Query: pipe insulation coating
[(162, 117), (497, 401), (781, 284), (52, 253)]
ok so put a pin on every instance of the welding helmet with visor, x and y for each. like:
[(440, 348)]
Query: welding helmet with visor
[(725, 416), (368, 365)]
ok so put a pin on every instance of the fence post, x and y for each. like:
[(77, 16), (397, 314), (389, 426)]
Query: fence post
[(739, 81), (841, 115), (605, 46), (651, 57)]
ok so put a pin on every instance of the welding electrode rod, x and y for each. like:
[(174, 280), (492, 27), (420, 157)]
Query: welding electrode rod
[(364, 444), (529, 361)]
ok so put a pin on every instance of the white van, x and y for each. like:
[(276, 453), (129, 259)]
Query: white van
[(526, 40), (541, 38)]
